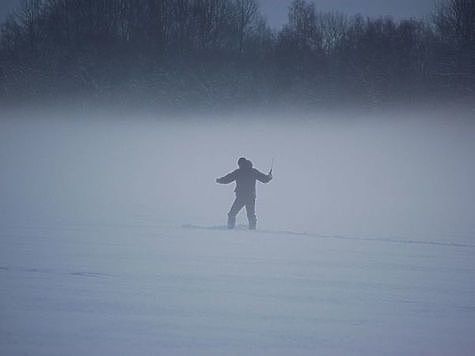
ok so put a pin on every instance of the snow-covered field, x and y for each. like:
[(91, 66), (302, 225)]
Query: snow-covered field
[(110, 241)]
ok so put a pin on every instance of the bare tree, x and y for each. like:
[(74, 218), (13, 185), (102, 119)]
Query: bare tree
[(455, 20), (332, 27), (246, 14), (455, 24)]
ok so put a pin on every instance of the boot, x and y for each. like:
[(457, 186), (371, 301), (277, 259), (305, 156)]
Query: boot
[(252, 224), (231, 222)]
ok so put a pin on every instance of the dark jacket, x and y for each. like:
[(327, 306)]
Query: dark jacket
[(245, 178)]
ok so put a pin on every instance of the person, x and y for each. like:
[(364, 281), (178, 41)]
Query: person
[(245, 177)]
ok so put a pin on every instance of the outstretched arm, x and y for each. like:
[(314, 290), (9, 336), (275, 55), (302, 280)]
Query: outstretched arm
[(228, 178), (261, 177)]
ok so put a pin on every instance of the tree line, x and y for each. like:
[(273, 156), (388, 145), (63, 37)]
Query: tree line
[(214, 53)]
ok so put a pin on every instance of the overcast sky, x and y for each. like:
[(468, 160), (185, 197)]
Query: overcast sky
[(276, 10)]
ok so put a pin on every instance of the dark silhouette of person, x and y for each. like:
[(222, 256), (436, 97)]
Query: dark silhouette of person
[(245, 177)]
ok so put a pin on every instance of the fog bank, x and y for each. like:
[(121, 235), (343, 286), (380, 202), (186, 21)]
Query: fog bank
[(409, 177)]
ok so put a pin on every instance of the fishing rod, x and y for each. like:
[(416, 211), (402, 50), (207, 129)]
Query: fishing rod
[(271, 166)]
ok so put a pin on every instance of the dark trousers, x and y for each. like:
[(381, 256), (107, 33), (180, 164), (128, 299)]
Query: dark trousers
[(239, 203)]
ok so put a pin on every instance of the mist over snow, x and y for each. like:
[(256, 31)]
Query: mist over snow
[(401, 176), (112, 236)]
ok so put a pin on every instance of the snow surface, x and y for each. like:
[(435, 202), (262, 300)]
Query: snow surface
[(131, 289), (111, 239)]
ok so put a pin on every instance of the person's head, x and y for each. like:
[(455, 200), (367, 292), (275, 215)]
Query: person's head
[(244, 163)]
